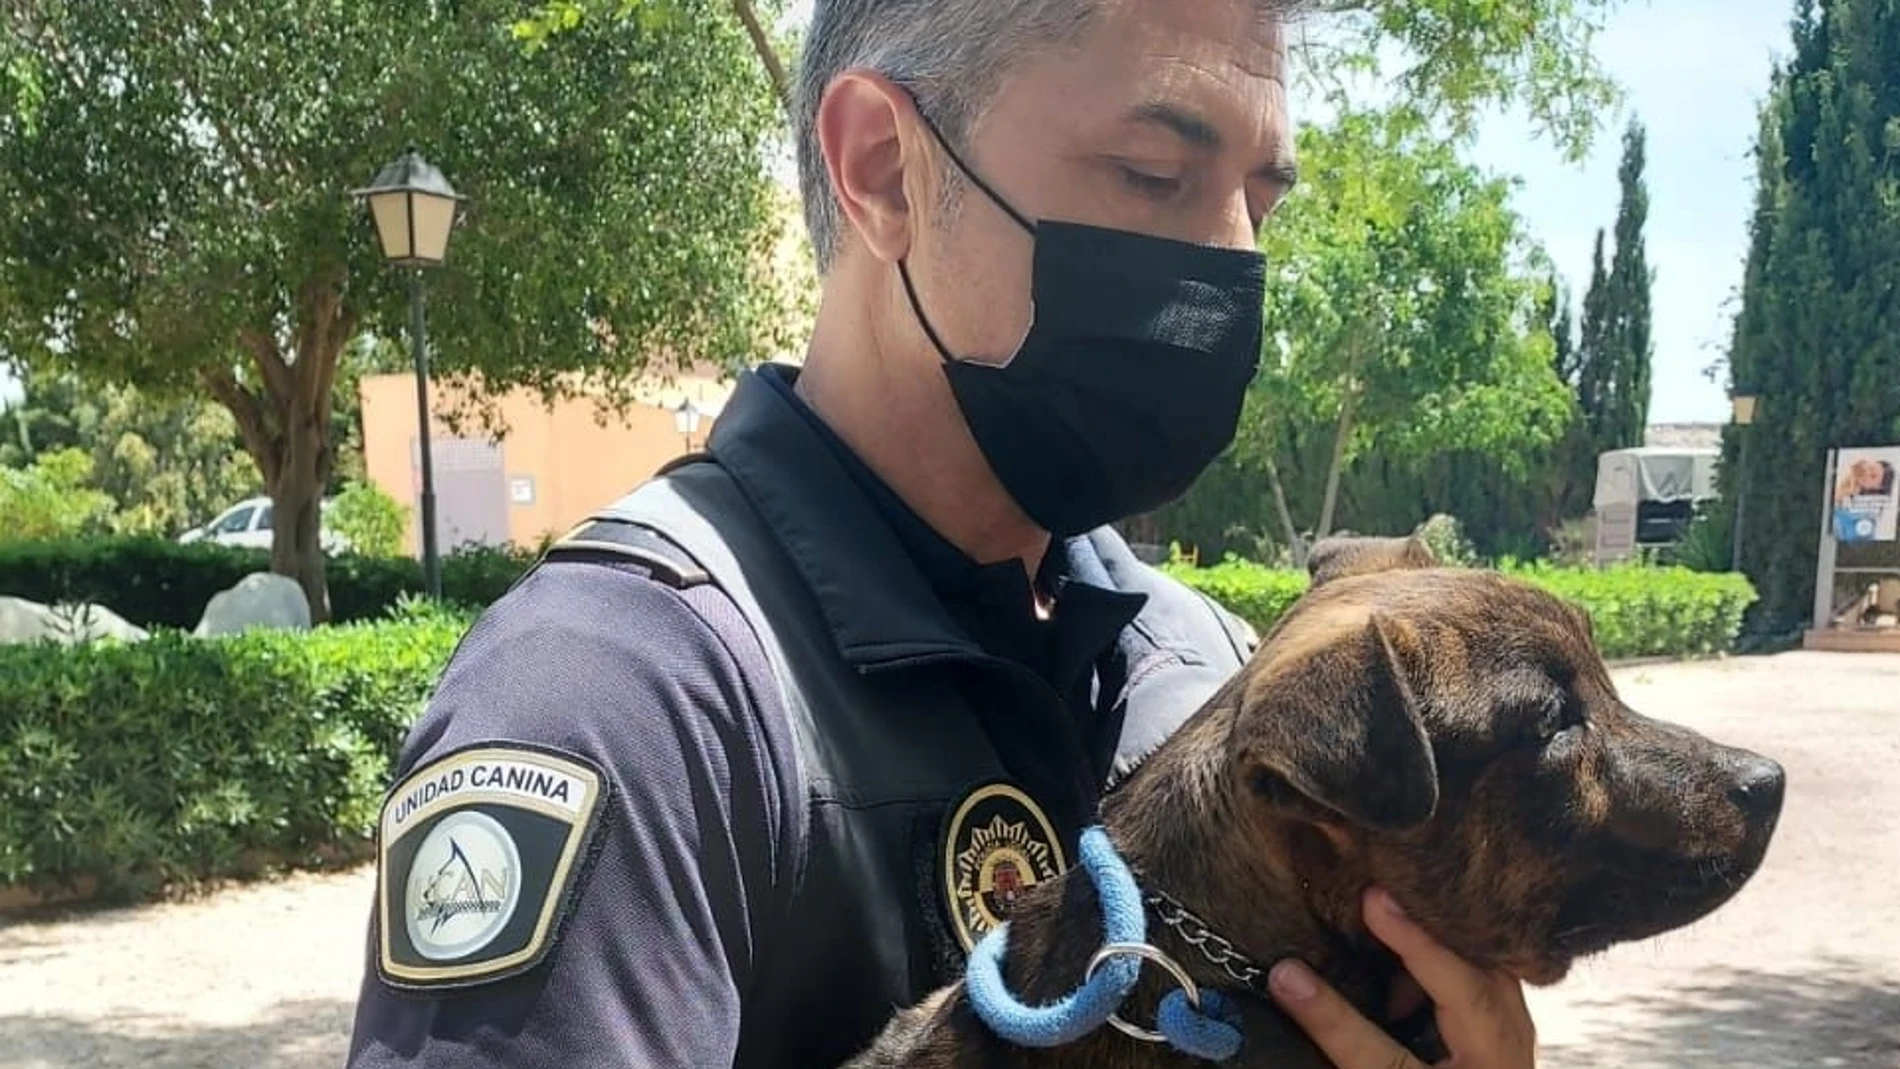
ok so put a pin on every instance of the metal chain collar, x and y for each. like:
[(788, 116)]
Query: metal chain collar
[(1212, 946)]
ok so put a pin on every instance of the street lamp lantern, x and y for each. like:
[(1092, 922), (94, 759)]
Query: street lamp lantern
[(414, 207), (1743, 406), (686, 417), (686, 421)]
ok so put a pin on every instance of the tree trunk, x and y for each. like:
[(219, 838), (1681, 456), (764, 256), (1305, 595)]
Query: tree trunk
[(762, 44), (1294, 544), (1348, 408), (296, 549), (285, 423)]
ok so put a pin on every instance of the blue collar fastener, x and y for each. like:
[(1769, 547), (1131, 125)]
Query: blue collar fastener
[(1198, 1023)]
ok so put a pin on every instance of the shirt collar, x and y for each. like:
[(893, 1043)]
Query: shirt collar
[(880, 574)]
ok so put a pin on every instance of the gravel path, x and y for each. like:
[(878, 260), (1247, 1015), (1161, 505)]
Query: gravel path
[(1801, 971)]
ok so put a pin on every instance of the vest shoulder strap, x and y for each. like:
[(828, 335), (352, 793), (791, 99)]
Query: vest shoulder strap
[(698, 520), (628, 538)]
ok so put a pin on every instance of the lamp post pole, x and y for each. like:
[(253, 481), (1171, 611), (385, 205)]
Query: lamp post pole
[(414, 208), (686, 421), (1743, 406), (419, 349)]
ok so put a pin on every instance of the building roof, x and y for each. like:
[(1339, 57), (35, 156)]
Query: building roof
[(1683, 435)]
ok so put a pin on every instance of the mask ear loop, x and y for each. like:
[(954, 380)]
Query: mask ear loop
[(970, 173), (903, 268), (917, 309)]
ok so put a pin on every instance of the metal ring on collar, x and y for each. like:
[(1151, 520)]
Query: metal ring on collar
[(1143, 950)]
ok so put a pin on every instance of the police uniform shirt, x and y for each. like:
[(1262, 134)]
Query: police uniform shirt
[(641, 778), (1061, 758)]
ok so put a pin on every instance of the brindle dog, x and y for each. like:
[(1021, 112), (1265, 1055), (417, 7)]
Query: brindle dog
[(1449, 734)]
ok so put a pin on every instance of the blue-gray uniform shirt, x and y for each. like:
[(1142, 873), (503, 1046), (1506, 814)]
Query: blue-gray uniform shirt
[(653, 702)]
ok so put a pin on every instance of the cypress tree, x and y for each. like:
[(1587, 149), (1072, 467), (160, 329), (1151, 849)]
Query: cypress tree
[(1627, 331), (1818, 334), (1595, 357)]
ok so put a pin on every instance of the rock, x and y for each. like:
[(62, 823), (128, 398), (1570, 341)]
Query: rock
[(260, 599), (23, 621)]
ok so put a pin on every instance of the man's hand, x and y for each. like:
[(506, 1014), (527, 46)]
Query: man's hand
[(1481, 1015)]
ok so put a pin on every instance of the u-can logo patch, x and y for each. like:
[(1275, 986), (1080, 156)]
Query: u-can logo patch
[(476, 853), (997, 845)]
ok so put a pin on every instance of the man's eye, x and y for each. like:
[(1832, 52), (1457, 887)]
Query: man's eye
[(1150, 185)]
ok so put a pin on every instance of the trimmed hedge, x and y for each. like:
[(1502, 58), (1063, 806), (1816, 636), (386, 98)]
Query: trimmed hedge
[(132, 767), (154, 582), (1636, 610), (164, 762)]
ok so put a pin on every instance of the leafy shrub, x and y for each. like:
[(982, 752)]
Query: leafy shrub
[(369, 519), (1707, 544), (1636, 610), (50, 498), (1253, 592), (179, 759), (151, 581), (155, 582), (1647, 611), (1445, 536)]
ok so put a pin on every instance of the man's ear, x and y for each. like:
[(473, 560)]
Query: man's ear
[(1335, 736), (866, 147)]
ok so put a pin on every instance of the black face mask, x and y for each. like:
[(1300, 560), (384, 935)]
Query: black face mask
[(1130, 380)]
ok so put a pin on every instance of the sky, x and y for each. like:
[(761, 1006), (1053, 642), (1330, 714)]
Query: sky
[(1694, 71)]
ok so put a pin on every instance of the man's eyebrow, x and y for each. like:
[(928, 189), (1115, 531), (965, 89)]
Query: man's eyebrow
[(1201, 134), (1188, 126)]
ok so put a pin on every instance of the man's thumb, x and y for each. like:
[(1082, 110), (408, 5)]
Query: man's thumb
[(1349, 1040)]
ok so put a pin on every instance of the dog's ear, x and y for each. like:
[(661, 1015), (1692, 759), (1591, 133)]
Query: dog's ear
[(1338, 556), (1335, 735)]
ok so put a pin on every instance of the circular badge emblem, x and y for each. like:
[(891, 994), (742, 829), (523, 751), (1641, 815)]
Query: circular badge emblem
[(997, 846), (463, 886)]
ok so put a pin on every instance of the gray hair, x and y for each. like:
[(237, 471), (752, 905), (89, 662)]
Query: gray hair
[(951, 54)]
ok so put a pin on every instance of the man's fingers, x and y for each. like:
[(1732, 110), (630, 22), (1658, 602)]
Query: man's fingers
[(1447, 978), (1348, 1039)]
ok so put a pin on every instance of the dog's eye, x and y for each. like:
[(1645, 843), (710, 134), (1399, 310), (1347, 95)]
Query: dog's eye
[(1551, 718)]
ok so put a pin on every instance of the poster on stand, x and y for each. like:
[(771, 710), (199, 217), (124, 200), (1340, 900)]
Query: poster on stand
[(1866, 494)]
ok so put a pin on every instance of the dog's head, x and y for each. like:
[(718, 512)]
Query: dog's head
[(1454, 736)]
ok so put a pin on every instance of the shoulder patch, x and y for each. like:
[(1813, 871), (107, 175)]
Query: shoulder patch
[(997, 844), (478, 853)]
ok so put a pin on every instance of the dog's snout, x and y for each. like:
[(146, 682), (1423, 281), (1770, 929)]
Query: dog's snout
[(1758, 786)]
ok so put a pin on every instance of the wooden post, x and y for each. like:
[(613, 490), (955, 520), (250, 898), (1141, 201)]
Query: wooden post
[(1824, 562)]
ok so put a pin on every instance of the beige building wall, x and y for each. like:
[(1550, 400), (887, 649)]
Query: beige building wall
[(558, 463)]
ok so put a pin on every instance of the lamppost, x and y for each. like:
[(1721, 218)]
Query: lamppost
[(1743, 408), (686, 421), (415, 209)]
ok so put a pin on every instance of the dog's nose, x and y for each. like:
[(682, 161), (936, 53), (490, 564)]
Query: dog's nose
[(1759, 784)]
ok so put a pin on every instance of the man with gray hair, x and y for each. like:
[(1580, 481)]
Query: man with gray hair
[(757, 753)]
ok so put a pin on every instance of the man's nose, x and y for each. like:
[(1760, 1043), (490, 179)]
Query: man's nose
[(1236, 229)]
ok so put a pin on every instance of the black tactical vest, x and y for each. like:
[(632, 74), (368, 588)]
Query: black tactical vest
[(915, 836)]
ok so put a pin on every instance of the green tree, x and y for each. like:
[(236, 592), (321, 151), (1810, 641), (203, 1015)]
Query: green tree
[(1402, 320), (173, 204), (49, 498), (1817, 337), (1446, 62), (369, 519), (1626, 338), (1608, 369), (165, 464)]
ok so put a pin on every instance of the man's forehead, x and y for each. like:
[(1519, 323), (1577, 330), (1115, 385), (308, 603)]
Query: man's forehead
[(1198, 67), (1247, 35)]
